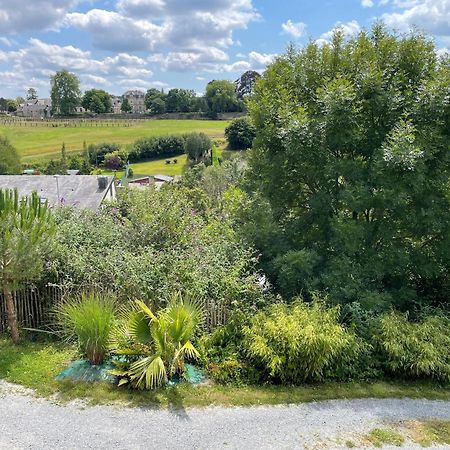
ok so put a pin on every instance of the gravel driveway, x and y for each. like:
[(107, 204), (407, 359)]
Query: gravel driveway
[(27, 422)]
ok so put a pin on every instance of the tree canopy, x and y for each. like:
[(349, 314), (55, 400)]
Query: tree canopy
[(221, 96), (65, 92), (352, 154), (97, 101)]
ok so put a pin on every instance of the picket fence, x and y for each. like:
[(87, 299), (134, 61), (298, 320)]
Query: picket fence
[(35, 304)]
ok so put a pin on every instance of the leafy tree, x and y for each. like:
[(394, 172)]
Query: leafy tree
[(32, 94), (245, 84), (97, 101), (180, 100), (9, 158), (240, 133), (26, 226), (11, 106), (221, 96), (3, 104), (197, 146), (126, 107), (65, 92), (352, 153), (155, 101)]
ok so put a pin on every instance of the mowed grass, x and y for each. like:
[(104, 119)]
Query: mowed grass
[(35, 365), (43, 143)]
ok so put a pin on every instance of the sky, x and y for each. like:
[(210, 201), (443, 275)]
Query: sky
[(119, 45)]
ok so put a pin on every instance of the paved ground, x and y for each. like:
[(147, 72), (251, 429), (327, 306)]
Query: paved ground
[(27, 422)]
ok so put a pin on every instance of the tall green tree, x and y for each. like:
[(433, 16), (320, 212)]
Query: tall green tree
[(126, 107), (197, 146), (32, 94), (352, 153), (65, 92), (97, 101), (9, 158), (26, 226), (155, 101), (221, 96), (180, 100)]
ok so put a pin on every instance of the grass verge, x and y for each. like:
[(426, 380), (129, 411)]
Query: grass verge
[(35, 365)]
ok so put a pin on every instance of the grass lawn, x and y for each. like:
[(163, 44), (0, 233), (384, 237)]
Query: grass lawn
[(35, 365), (43, 143)]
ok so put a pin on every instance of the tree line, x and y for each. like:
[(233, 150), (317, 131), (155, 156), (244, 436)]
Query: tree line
[(221, 96)]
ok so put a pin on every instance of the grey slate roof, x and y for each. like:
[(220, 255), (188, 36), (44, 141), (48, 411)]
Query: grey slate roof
[(81, 191)]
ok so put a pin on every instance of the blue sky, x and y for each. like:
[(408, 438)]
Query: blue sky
[(118, 45)]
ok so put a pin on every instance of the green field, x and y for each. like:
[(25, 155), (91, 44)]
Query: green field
[(41, 143)]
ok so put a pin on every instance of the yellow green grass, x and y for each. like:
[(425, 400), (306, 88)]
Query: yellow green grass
[(35, 365), (41, 143)]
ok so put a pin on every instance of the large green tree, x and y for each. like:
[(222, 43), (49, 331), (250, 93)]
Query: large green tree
[(65, 92), (221, 96), (26, 226), (9, 158), (97, 101), (180, 100), (352, 153)]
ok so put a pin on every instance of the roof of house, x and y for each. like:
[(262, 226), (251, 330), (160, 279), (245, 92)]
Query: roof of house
[(81, 191)]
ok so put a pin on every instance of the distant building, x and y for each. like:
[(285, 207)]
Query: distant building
[(38, 108), (150, 181), (116, 104), (136, 100), (80, 191)]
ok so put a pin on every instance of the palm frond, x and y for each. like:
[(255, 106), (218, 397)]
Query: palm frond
[(148, 373)]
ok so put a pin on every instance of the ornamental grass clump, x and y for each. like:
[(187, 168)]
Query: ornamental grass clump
[(88, 320), (415, 350), (299, 342)]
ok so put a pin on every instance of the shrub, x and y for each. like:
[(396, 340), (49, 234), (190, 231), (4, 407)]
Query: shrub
[(240, 133), (299, 343), (154, 346), (156, 147), (113, 161), (97, 152), (9, 158), (87, 320), (197, 146), (415, 349)]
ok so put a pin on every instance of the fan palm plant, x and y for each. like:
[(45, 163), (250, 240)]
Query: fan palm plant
[(155, 346)]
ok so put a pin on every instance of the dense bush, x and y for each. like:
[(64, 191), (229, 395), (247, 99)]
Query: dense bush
[(9, 158), (97, 152), (87, 321), (301, 342), (197, 146), (415, 350), (157, 147), (240, 133), (151, 243)]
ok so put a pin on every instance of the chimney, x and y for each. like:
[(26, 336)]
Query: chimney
[(102, 183)]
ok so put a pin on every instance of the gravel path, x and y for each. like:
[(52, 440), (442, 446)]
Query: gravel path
[(27, 422)]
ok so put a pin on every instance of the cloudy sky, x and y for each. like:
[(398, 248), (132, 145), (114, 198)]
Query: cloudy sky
[(126, 44)]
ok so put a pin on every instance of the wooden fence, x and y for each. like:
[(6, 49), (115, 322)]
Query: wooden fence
[(34, 306)]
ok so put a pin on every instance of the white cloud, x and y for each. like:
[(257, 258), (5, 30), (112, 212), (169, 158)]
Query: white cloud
[(261, 60), (367, 3), (296, 30), (34, 64), (112, 31), (431, 15), (350, 29), (18, 16), (5, 41)]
